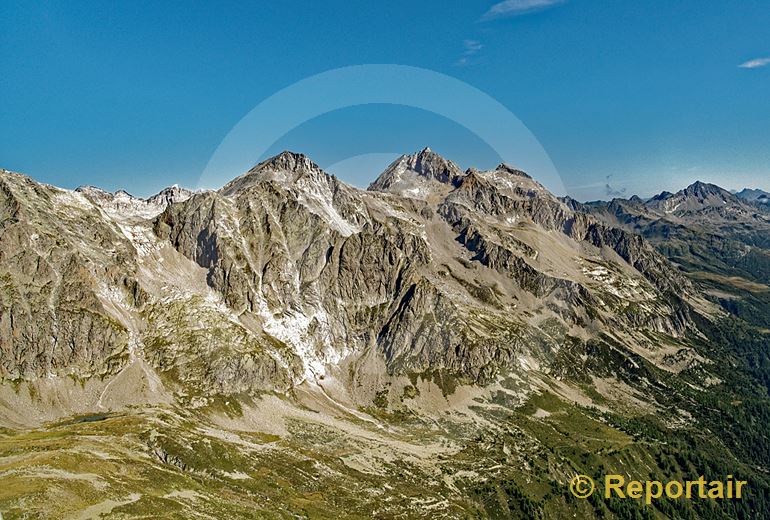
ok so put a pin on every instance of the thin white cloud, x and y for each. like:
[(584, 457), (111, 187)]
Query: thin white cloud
[(470, 47), (755, 64), (517, 7)]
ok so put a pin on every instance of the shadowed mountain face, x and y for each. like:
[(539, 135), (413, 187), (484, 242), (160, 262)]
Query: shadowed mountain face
[(436, 313)]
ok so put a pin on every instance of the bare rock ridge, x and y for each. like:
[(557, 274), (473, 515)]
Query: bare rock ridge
[(56, 256), (285, 168), (123, 204), (170, 195), (413, 175), (287, 274)]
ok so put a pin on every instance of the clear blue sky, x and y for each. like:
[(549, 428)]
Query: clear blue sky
[(643, 96)]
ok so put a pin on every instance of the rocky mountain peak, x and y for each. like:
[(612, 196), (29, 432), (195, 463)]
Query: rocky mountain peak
[(94, 193), (287, 161), (412, 175), (121, 204), (170, 195), (507, 180), (285, 168), (695, 197), (663, 195), (703, 190), (504, 168), (431, 165)]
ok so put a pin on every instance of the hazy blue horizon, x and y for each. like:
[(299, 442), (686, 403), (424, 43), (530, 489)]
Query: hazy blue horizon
[(625, 98)]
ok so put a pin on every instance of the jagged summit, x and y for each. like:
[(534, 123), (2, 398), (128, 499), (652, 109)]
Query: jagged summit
[(122, 204), (94, 193), (703, 190), (504, 168), (285, 168), (170, 195), (698, 190), (167, 195), (695, 197), (431, 165), (663, 195), (286, 161), (506, 180), (417, 175)]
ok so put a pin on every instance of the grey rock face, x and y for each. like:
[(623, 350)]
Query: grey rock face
[(55, 253), (434, 284), (512, 198), (170, 195), (286, 271)]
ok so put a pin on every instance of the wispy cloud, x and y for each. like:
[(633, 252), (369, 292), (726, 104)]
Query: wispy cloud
[(755, 64), (508, 8), (470, 47)]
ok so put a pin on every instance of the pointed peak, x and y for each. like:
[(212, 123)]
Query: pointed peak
[(663, 195), (702, 190), (696, 197), (697, 185), (285, 168), (429, 164), (502, 167), (170, 195), (123, 194), (412, 175), (287, 161)]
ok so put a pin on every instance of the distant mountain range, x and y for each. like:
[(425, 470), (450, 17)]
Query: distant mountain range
[(754, 195), (448, 340), (720, 238)]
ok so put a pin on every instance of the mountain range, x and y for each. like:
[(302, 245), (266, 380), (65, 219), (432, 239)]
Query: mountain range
[(447, 343), (754, 195), (719, 238)]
